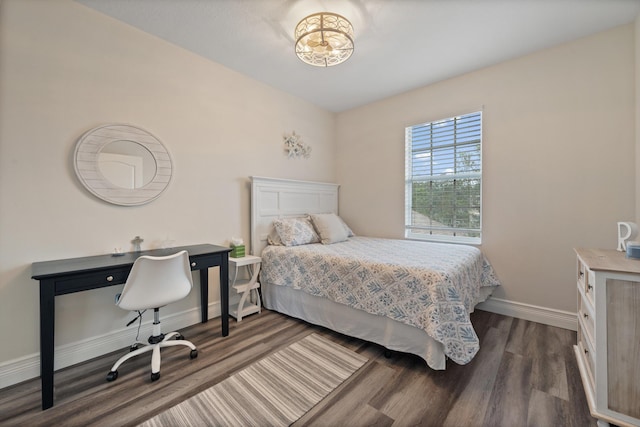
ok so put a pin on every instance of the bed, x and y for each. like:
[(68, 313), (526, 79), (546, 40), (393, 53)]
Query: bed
[(407, 296)]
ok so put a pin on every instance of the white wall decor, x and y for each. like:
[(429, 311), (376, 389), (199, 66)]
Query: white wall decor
[(626, 231), (295, 147)]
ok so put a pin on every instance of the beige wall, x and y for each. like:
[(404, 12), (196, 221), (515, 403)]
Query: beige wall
[(65, 69), (558, 159), (558, 155)]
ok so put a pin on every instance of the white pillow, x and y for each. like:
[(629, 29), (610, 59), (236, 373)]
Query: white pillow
[(295, 231), (330, 228), (274, 238), (349, 231)]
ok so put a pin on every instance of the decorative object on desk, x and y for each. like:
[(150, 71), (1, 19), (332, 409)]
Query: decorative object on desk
[(284, 386), (122, 164), (237, 247), (117, 252), (626, 231), (136, 244), (295, 147), (633, 250)]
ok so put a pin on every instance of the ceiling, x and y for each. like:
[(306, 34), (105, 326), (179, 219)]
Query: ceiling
[(399, 44)]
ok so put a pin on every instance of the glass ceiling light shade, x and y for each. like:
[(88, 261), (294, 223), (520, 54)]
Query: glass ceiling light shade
[(324, 39)]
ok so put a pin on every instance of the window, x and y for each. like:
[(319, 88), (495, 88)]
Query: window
[(443, 184)]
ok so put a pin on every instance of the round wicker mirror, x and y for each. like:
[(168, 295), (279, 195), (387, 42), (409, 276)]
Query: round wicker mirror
[(122, 164)]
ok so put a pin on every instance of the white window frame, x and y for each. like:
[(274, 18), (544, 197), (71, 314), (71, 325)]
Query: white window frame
[(411, 230)]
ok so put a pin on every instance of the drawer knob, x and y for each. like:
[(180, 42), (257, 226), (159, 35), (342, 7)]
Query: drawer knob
[(586, 351), (590, 287), (109, 278), (586, 316), (193, 264)]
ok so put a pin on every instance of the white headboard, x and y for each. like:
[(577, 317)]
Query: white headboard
[(273, 198)]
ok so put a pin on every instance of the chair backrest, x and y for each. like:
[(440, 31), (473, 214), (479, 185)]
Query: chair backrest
[(156, 281)]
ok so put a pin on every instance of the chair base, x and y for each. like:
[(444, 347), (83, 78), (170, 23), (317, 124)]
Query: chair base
[(167, 341)]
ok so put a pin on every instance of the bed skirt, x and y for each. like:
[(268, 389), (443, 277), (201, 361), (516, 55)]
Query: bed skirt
[(386, 332), (389, 333)]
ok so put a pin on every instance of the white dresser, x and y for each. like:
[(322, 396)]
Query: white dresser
[(608, 348)]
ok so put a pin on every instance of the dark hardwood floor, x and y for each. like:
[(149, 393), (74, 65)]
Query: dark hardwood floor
[(525, 374)]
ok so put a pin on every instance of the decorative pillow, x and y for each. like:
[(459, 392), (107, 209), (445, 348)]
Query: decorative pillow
[(295, 231), (330, 228), (274, 238), (349, 231)]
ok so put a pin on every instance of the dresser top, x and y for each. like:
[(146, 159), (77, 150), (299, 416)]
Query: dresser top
[(608, 260)]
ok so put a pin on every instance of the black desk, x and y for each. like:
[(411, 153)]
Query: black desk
[(66, 276)]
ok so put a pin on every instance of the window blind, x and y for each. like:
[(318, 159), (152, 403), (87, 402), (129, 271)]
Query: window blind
[(443, 178)]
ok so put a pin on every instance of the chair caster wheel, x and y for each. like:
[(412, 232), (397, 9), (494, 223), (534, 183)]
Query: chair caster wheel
[(112, 375), (179, 337), (133, 347), (155, 376), (194, 354)]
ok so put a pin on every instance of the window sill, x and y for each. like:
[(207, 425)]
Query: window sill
[(445, 239)]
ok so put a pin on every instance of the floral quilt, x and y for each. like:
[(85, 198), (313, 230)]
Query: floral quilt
[(431, 286)]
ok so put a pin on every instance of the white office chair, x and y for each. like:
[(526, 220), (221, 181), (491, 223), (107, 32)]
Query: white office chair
[(155, 282)]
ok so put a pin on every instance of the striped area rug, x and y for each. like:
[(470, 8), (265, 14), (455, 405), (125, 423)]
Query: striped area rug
[(275, 391)]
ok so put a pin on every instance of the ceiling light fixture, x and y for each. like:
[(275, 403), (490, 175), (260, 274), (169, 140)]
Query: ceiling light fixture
[(324, 39)]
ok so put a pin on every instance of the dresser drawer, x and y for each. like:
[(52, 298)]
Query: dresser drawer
[(581, 273), (588, 355), (589, 286), (586, 280), (586, 319)]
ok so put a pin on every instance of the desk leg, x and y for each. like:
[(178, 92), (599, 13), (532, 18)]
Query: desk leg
[(47, 319), (204, 294), (224, 294)]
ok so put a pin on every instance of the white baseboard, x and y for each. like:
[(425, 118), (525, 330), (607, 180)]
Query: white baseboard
[(546, 316), (28, 367)]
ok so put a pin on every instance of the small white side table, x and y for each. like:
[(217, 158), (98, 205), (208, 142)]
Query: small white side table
[(247, 287)]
